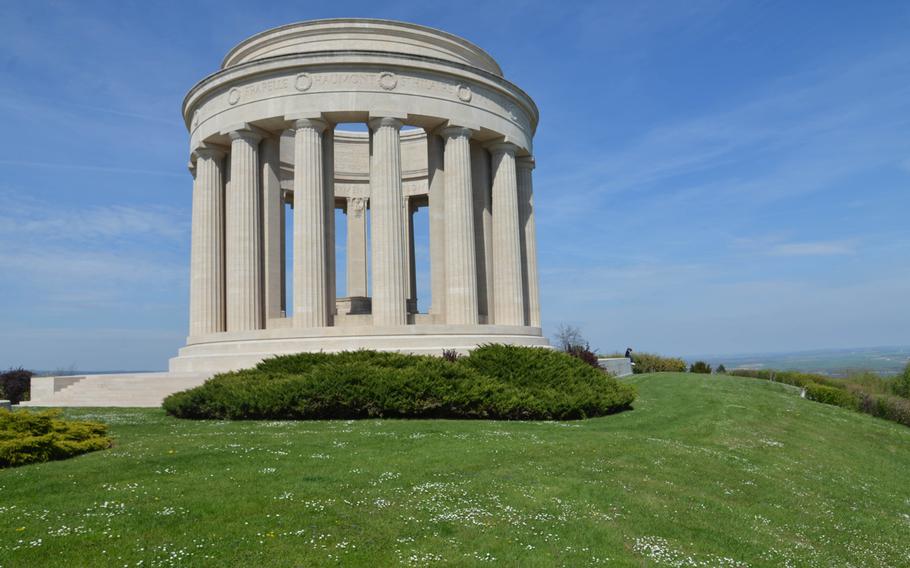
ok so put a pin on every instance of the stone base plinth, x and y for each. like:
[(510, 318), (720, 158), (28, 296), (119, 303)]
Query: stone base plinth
[(229, 351), (616, 366)]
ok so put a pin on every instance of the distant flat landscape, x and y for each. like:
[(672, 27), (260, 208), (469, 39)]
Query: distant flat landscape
[(834, 362)]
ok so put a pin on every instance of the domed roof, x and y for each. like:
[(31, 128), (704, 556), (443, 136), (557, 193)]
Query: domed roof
[(357, 34)]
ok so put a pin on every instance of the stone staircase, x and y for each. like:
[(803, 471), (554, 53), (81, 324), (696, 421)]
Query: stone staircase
[(121, 390)]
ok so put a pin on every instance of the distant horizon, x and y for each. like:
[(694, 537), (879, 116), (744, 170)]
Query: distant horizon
[(688, 358)]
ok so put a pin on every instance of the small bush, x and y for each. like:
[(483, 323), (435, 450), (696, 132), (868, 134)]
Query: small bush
[(700, 367), (901, 384), (27, 437), (450, 355), (14, 385), (889, 407), (495, 381), (831, 395), (721, 369), (584, 353)]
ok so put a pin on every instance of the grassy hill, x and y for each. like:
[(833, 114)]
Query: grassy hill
[(706, 471)]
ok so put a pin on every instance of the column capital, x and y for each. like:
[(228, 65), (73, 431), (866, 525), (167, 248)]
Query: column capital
[(501, 147), (455, 131), (316, 124), (246, 134), (210, 152), (525, 162), (356, 206), (379, 122)]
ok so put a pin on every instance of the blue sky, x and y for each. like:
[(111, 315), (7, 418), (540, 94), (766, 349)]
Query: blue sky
[(713, 176)]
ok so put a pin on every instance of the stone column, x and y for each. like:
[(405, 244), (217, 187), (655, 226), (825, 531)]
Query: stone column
[(508, 300), (436, 190), (272, 228), (461, 262), (310, 279), (483, 229), (528, 242), (389, 265), (357, 246), (243, 234), (207, 245), (328, 174)]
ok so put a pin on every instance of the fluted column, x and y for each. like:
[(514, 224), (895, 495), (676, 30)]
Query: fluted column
[(310, 309), (207, 245), (389, 265), (483, 229), (508, 300), (461, 263), (243, 236), (436, 190), (328, 174), (357, 246), (272, 228), (528, 241)]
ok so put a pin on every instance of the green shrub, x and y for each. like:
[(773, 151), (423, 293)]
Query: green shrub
[(889, 407), (495, 381), (901, 384), (14, 385), (27, 437), (652, 363), (831, 395), (721, 370), (700, 367), (583, 352)]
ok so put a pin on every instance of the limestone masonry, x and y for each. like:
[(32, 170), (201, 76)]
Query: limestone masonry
[(263, 138), (446, 131)]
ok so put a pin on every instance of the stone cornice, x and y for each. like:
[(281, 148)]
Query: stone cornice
[(315, 61)]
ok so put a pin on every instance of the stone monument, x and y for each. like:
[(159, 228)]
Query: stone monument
[(446, 131)]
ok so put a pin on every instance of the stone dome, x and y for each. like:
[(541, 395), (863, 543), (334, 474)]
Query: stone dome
[(363, 35)]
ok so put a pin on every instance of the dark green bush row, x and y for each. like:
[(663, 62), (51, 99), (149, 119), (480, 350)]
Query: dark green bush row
[(27, 437), (831, 395), (494, 381), (700, 367), (14, 385)]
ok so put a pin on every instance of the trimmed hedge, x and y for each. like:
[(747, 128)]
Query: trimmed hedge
[(889, 407), (653, 363), (27, 437), (494, 381), (794, 378), (831, 395)]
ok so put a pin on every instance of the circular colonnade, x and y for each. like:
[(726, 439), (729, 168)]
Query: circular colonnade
[(446, 131)]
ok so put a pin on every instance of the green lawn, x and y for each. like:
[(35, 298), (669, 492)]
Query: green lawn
[(705, 471)]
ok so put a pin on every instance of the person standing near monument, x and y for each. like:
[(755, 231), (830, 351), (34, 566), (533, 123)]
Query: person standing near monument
[(629, 355)]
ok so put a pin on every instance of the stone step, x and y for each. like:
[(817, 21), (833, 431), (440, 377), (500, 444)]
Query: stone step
[(120, 390)]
